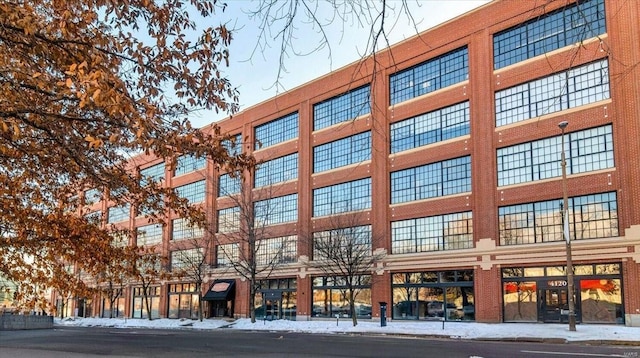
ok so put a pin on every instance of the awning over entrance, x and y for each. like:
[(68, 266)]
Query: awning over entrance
[(221, 290)]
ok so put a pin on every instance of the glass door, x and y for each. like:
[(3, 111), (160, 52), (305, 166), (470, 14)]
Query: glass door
[(554, 304), (273, 309)]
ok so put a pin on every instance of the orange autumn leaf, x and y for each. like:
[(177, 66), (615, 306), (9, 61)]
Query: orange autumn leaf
[(73, 112)]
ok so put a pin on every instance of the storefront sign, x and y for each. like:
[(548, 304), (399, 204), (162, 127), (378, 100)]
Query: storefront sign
[(557, 283)]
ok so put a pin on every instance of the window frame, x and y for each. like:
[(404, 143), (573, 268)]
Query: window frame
[(276, 131), (444, 70)]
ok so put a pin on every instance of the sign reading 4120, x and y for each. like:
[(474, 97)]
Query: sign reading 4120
[(557, 283)]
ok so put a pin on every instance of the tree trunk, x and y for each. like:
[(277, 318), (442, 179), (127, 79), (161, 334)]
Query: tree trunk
[(112, 302), (146, 303), (352, 308), (252, 302), (200, 313)]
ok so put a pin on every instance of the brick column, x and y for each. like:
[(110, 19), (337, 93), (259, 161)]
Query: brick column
[(380, 185), (488, 302), (624, 75)]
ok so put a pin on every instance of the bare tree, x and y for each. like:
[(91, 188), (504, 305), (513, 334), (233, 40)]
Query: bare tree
[(112, 284), (345, 251), (190, 261), (280, 21), (146, 269), (245, 237), (113, 292), (72, 286), (111, 281)]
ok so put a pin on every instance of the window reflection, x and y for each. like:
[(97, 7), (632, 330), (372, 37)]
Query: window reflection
[(601, 301), (539, 293), (520, 301), (330, 297), (441, 295)]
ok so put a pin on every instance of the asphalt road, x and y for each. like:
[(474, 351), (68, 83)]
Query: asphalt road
[(109, 342)]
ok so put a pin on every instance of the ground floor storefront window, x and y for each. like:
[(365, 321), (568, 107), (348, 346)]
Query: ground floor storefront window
[(540, 294), (330, 297), (183, 301), (64, 307), (116, 309), (139, 309), (276, 299), (433, 295), (84, 307)]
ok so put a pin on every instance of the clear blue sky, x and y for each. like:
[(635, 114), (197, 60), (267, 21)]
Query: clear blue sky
[(254, 76)]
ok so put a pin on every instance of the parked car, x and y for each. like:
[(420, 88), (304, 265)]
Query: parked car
[(438, 309), (410, 309)]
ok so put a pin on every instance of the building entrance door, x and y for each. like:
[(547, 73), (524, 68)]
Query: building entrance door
[(273, 310), (272, 303), (554, 304)]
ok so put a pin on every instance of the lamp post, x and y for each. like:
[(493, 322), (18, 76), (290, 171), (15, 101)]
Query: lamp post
[(565, 231)]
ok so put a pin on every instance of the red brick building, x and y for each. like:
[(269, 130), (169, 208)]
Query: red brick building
[(450, 154)]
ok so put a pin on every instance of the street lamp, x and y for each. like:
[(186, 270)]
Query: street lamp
[(565, 231)]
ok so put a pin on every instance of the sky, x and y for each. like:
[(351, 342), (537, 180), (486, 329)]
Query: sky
[(458, 330), (254, 73)]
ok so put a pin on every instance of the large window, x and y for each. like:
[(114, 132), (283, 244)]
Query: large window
[(586, 150), (277, 170), (276, 210), (354, 242), (92, 196), (227, 254), (229, 219), (139, 309), (149, 234), (151, 206), (183, 301), (228, 185), (448, 177), (118, 213), (154, 173), (190, 259), (233, 145), (117, 310), (277, 250), (193, 192), (432, 127), (570, 25), (434, 295), (434, 233), (119, 238), (590, 216), (188, 163), (341, 198), (94, 217), (182, 229), (329, 297), (276, 131), (429, 76), (350, 150), (342, 108), (576, 87)]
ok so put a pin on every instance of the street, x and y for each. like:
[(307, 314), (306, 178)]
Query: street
[(112, 342)]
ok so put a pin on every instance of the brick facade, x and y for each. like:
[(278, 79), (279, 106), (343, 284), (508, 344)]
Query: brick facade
[(475, 30)]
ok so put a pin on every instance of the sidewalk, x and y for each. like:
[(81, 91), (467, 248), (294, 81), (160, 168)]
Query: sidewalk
[(531, 332)]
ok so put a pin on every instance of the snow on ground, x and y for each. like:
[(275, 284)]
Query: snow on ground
[(460, 330)]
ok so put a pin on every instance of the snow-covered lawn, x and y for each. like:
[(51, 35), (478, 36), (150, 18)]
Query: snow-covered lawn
[(462, 330)]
